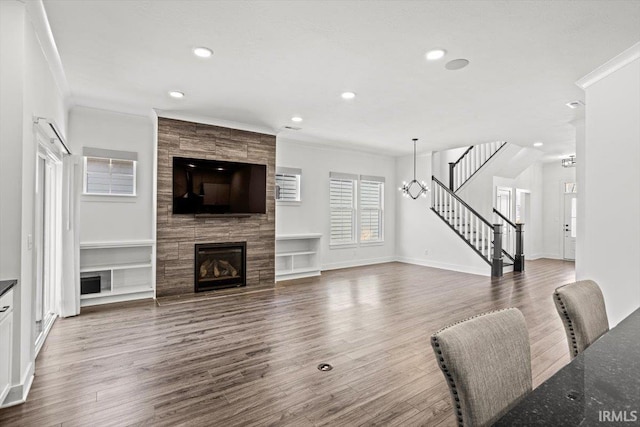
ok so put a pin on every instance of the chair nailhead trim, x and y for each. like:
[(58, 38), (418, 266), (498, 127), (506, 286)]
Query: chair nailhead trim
[(452, 383), (567, 319)]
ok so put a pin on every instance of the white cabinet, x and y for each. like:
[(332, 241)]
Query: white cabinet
[(125, 270), (6, 332), (297, 255)]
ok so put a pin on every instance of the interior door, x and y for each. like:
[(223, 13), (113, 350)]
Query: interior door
[(40, 244), (570, 210), (47, 242)]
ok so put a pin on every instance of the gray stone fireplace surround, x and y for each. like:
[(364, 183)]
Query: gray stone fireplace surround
[(177, 235)]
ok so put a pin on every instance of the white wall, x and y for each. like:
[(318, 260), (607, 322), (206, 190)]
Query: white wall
[(12, 23), (610, 248), (421, 236), (312, 215), (531, 179), (28, 89), (112, 218), (555, 176)]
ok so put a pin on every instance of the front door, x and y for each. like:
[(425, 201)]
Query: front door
[(570, 209)]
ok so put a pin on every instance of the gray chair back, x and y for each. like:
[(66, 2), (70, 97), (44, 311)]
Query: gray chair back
[(486, 361), (582, 310)]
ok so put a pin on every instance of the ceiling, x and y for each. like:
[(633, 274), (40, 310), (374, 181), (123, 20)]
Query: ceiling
[(276, 59)]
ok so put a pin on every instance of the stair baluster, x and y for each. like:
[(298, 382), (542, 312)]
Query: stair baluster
[(470, 162)]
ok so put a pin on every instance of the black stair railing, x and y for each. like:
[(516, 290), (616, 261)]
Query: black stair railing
[(512, 239)]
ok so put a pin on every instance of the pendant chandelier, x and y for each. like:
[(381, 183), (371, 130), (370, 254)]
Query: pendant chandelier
[(569, 162), (414, 189)]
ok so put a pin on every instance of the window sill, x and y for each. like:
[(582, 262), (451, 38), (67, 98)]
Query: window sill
[(343, 245), (376, 243), (111, 198)]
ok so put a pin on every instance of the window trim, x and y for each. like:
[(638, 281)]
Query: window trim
[(85, 176)]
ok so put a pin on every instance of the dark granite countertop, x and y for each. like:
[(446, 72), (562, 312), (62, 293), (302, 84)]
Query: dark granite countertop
[(601, 386), (5, 285)]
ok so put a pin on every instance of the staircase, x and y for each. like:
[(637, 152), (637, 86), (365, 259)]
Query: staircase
[(470, 162), (498, 242)]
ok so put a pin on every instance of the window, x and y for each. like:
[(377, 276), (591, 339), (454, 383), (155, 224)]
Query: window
[(371, 209), (109, 173), (288, 184), (342, 188)]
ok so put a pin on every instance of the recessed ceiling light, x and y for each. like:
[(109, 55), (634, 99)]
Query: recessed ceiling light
[(296, 119), (176, 94), (538, 144), (435, 54), (574, 104), (348, 95), (456, 64), (202, 52)]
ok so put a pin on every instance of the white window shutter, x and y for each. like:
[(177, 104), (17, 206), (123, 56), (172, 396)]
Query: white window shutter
[(105, 176), (342, 206), (371, 211), (287, 187)]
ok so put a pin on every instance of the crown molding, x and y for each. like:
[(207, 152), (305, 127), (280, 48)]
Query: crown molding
[(610, 66)]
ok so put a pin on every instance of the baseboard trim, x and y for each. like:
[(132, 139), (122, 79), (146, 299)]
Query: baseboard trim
[(357, 263), (446, 266), (19, 392), (543, 255)]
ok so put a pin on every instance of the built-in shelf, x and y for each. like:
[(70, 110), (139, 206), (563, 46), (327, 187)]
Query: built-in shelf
[(115, 267), (125, 270), (297, 255), (131, 290)]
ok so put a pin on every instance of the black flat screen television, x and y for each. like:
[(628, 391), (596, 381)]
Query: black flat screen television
[(215, 187)]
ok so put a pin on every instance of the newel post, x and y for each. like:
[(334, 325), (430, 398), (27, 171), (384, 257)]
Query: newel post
[(518, 265), (496, 261), (451, 174)]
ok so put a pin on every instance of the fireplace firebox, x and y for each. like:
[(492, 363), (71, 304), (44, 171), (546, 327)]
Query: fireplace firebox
[(220, 265)]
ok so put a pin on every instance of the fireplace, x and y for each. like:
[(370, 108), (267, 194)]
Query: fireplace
[(220, 265)]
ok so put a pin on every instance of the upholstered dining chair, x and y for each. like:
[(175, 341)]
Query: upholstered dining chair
[(486, 361), (583, 313)]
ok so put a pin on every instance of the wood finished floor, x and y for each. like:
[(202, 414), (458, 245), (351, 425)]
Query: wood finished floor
[(250, 359)]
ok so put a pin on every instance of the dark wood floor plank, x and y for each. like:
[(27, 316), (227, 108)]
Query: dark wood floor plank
[(248, 358)]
